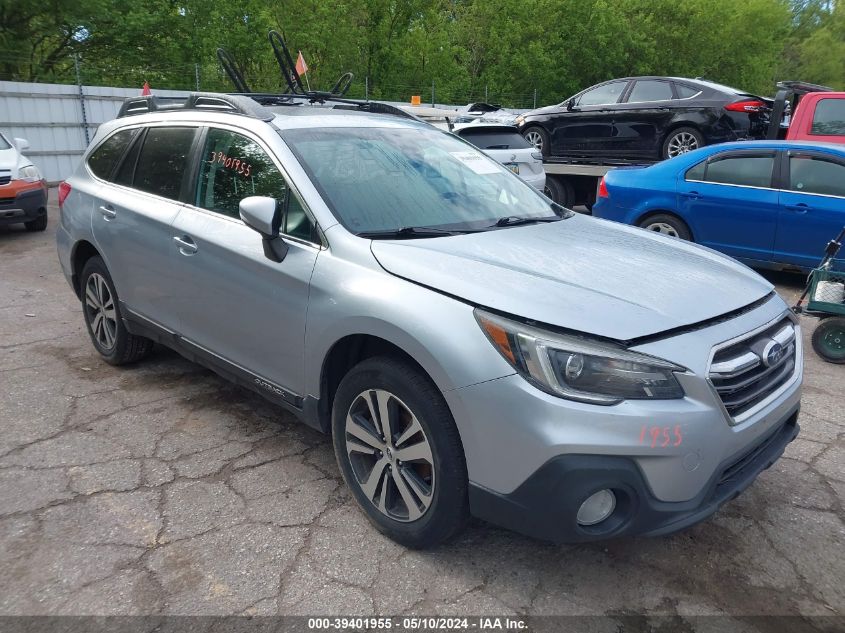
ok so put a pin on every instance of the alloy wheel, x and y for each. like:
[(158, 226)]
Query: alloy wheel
[(662, 227), (535, 138), (100, 311), (681, 143), (390, 455)]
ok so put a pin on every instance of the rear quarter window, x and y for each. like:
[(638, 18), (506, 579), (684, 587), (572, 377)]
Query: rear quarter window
[(103, 159), (829, 118)]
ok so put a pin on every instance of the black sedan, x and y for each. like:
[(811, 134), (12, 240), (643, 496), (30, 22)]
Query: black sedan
[(645, 118)]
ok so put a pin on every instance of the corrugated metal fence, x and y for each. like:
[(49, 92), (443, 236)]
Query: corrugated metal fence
[(59, 120)]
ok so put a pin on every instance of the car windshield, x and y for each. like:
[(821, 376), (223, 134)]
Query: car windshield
[(379, 180), (4, 144)]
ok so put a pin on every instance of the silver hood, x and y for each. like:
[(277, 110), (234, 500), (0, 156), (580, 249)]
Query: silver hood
[(583, 274)]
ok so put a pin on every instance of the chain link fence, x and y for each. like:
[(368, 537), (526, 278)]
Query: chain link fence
[(58, 107), (209, 76)]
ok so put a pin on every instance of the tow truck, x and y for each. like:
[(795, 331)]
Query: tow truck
[(571, 182)]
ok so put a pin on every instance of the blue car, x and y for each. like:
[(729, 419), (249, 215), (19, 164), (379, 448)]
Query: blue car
[(770, 204)]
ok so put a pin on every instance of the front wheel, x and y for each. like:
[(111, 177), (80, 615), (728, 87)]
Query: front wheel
[(400, 453), (681, 141), (829, 340), (539, 138)]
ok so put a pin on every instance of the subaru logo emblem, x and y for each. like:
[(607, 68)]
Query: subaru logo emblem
[(772, 354)]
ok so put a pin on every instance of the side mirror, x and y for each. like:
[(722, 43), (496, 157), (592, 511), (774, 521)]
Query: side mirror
[(264, 215), (21, 144), (570, 105)]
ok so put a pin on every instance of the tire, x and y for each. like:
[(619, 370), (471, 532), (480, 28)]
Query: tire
[(395, 501), (829, 340), (667, 224), (539, 138), (680, 141), (560, 190), (38, 224), (108, 333)]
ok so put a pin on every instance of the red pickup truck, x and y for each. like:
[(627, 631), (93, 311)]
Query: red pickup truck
[(820, 116), (817, 113)]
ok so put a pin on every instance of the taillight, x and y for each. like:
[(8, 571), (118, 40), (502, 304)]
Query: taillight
[(603, 189), (64, 190), (752, 105)]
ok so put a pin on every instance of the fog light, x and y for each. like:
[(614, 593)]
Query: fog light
[(597, 507)]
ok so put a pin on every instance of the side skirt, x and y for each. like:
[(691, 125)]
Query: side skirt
[(302, 408)]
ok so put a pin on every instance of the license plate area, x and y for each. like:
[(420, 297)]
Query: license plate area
[(514, 167)]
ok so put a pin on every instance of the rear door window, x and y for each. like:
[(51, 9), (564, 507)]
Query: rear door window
[(650, 90), (829, 118), (814, 174), (749, 171), (603, 95), (163, 160), (103, 160)]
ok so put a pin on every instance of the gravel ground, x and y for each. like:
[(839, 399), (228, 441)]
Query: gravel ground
[(163, 489)]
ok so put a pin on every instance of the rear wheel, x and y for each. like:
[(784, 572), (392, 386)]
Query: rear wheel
[(539, 138), (101, 309), (400, 453), (560, 190), (829, 340), (667, 224), (681, 141)]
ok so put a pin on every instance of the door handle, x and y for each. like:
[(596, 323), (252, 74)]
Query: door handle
[(108, 212), (692, 195), (799, 208), (186, 245)]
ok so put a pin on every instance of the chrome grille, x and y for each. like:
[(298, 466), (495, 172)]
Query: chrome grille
[(746, 372)]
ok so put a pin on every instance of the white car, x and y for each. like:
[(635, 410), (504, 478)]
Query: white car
[(506, 145), (500, 141), (23, 192)]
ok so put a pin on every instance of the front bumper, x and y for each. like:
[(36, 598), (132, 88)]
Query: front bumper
[(22, 202), (515, 435), (545, 506)]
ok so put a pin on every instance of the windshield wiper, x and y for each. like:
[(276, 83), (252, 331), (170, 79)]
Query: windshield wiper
[(412, 232), (514, 220)]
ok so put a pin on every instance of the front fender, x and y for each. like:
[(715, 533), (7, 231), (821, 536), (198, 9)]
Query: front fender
[(438, 331)]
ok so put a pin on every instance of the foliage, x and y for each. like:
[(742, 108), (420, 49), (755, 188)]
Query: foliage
[(503, 50)]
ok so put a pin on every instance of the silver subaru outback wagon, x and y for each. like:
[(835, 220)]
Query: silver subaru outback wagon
[(472, 348)]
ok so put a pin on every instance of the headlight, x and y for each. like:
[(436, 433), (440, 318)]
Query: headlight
[(520, 119), (579, 368), (29, 173)]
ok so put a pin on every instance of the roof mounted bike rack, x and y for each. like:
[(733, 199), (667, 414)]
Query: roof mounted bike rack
[(288, 69), (231, 69)]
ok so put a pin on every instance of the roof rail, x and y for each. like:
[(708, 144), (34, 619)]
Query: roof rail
[(253, 104), (208, 101)]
